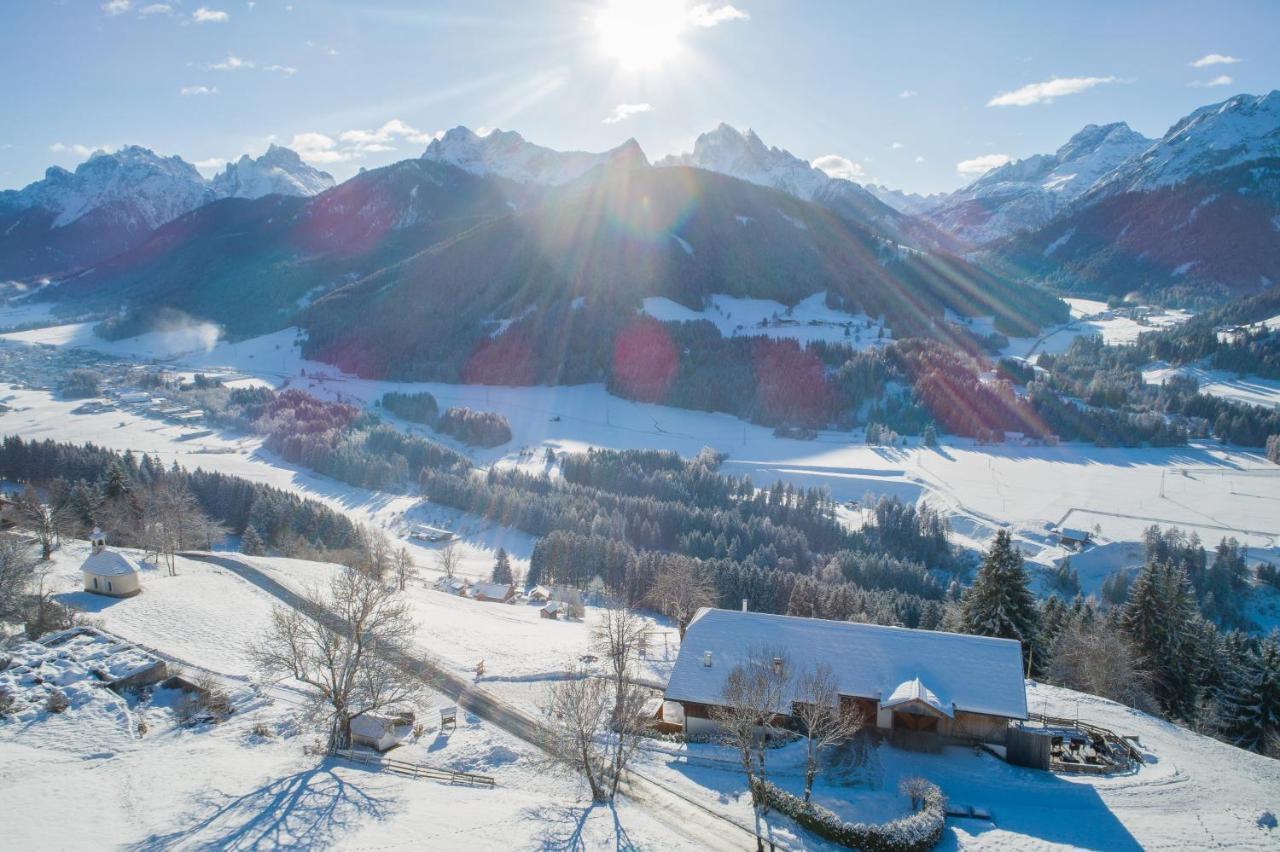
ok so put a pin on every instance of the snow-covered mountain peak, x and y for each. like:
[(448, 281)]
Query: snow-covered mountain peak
[(507, 154), (150, 189), (742, 154), (1238, 130), (280, 171), (1027, 193)]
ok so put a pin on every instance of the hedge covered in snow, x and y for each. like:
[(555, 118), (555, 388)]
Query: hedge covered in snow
[(915, 832)]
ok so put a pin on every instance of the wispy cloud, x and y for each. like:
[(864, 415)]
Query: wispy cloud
[(1214, 59), (187, 91), (75, 148), (1044, 93), (213, 164), (897, 146), (204, 15), (237, 63), (156, 9), (321, 148), (117, 7), (919, 159), (981, 165), (624, 111), (705, 15), (233, 63), (907, 93), (839, 167), (1220, 80)]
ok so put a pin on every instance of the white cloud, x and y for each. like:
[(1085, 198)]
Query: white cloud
[(1220, 80), (286, 70), (356, 144), (919, 159), (213, 164), (156, 9), (388, 132), (205, 15), (703, 15), (1043, 93), (907, 93), (187, 91), (1213, 59), (116, 7), (78, 150), (318, 148), (624, 111), (838, 167), (896, 146), (981, 165), (233, 63)]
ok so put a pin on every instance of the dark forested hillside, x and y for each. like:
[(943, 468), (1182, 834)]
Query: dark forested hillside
[(249, 265), (574, 269)]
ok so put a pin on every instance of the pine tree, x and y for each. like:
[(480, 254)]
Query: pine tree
[(1000, 603), (930, 438), (1164, 622), (251, 542), (1252, 703), (502, 568)]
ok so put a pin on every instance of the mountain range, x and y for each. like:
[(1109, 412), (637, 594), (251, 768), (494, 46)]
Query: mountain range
[(495, 231), (113, 201)]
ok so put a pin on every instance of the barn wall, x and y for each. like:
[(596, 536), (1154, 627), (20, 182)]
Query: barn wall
[(977, 726)]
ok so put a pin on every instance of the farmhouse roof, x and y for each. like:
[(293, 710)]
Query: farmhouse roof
[(977, 674)]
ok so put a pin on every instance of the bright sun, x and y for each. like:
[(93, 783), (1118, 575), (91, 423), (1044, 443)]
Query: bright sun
[(641, 34)]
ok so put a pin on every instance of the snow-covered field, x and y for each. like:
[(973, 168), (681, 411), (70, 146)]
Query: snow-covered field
[(810, 319), (1249, 389), (1091, 318)]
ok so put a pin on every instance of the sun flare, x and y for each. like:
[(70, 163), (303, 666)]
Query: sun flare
[(641, 34)]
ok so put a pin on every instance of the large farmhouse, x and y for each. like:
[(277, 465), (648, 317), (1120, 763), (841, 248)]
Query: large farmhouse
[(918, 682)]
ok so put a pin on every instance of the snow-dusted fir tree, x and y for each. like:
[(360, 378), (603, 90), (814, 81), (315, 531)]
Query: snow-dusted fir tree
[(251, 542), (1252, 704), (1164, 622), (1000, 603), (502, 568)]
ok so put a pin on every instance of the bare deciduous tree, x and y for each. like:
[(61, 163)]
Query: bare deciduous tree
[(580, 708), (172, 521), (753, 695), (680, 591), (17, 575), (1100, 660), (405, 570), (618, 636), (347, 647), (448, 559), (827, 722), (47, 522)]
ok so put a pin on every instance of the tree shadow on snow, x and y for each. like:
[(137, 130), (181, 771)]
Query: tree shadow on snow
[(564, 827), (306, 809)]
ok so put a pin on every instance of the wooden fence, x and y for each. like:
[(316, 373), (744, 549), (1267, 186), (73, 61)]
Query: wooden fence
[(415, 770)]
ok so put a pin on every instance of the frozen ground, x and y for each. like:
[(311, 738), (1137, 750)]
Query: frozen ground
[(1091, 318), (810, 319)]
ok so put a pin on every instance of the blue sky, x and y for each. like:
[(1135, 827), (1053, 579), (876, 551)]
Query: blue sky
[(901, 93)]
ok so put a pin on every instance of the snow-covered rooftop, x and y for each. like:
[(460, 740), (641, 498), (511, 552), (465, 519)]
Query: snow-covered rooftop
[(109, 563), (976, 674)]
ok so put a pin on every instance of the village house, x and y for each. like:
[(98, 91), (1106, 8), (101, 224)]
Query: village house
[(493, 592), (1073, 538), (920, 683), (107, 572)]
